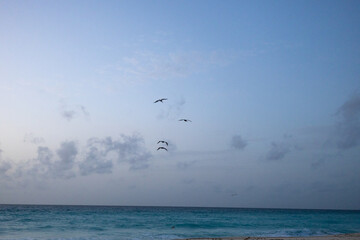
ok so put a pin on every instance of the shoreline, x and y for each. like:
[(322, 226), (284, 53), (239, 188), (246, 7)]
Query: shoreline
[(348, 236)]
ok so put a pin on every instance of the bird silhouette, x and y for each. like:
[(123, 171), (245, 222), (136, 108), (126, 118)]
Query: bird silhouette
[(161, 148), (160, 100), (185, 120), (163, 142)]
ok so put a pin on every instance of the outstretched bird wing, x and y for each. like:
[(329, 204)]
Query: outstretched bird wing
[(161, 148), (160, 100), (185, 120), (161, 141)]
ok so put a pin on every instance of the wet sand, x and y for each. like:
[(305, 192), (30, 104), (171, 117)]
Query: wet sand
[(350, 236)]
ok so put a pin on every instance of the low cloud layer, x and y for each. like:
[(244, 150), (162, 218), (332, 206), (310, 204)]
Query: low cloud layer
[(49, 165), (103, 152), (98, 156), (66, 153)]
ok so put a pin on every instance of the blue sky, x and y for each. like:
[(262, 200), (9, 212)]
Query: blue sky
[(272, 89)]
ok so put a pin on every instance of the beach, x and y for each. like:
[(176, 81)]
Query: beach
[(350, 236)]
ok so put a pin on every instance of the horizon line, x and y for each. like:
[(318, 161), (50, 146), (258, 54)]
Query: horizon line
[(169, 206)]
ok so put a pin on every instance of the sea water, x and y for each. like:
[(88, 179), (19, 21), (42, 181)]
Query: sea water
[(137, 223)]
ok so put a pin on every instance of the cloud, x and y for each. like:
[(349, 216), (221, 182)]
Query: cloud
[(101, 153), (95, 162), (348, 128), (277, 151), (47, 164), (84, 111), (238, 142), (30, 138), (67, 153), (70, 112), (41, 165), (4, 166), (97, 157)]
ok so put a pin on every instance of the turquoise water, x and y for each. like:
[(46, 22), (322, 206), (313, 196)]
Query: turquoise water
[(137, 223)]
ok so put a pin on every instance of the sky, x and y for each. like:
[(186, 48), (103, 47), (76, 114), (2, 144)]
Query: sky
[(272, 89)]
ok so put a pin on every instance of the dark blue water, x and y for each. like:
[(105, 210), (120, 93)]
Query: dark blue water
[(105, 222)]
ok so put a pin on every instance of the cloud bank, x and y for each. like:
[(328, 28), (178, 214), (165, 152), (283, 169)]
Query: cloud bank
[(98, 156), (49, 165), (102, 152)]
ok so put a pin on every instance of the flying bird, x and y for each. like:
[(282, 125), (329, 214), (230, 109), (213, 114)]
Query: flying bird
[(163, 142), (185, 120), (161, 148), (160, 100)]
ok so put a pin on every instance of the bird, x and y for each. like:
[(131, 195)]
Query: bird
[(163, 142), (161, 148), (185, 120), (160, 100)]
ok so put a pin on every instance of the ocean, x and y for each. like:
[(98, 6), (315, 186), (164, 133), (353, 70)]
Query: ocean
[(139, 223)]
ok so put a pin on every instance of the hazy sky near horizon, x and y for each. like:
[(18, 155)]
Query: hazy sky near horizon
[(272, 89)]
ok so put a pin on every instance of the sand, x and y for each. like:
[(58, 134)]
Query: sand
[(351, 236)]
